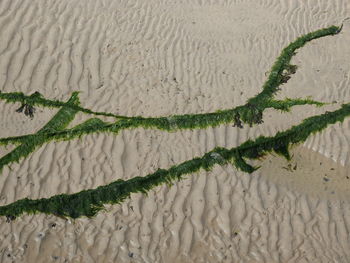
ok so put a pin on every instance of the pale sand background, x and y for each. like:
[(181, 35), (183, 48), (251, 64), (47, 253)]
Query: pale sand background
[(161, 57)]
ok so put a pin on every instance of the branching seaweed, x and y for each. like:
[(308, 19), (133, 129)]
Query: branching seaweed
[(89, 202), (95, 125), (60, 121), (279, 73)]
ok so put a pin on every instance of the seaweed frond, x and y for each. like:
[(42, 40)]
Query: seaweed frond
[(60, 121)]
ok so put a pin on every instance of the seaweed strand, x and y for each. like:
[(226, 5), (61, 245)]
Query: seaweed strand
[(173, 123), (244, 113)]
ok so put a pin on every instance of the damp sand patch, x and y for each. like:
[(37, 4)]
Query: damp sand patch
[(308, 172)]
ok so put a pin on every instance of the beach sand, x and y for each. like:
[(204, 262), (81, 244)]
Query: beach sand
[(158, 58)]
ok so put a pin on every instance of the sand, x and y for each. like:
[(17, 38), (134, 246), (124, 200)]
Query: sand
[(162, 57)]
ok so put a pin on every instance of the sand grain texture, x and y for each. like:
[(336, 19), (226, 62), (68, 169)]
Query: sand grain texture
[(162, 57)]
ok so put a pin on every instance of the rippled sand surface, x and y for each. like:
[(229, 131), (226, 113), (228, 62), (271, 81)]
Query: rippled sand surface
[(163, 57)]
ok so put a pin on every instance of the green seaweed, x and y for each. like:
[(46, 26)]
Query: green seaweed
[(89, 202), (95, 125), (282, 63), (36, 99), (250, 113), (60, 121)]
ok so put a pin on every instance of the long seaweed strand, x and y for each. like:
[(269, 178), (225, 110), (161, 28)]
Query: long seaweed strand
[(279, 74)]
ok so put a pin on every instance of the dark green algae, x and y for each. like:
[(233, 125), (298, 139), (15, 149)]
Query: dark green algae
[(250, 113), (89, 202)]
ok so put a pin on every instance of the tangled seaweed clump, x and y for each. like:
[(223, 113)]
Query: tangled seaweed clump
[(89, 202)]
